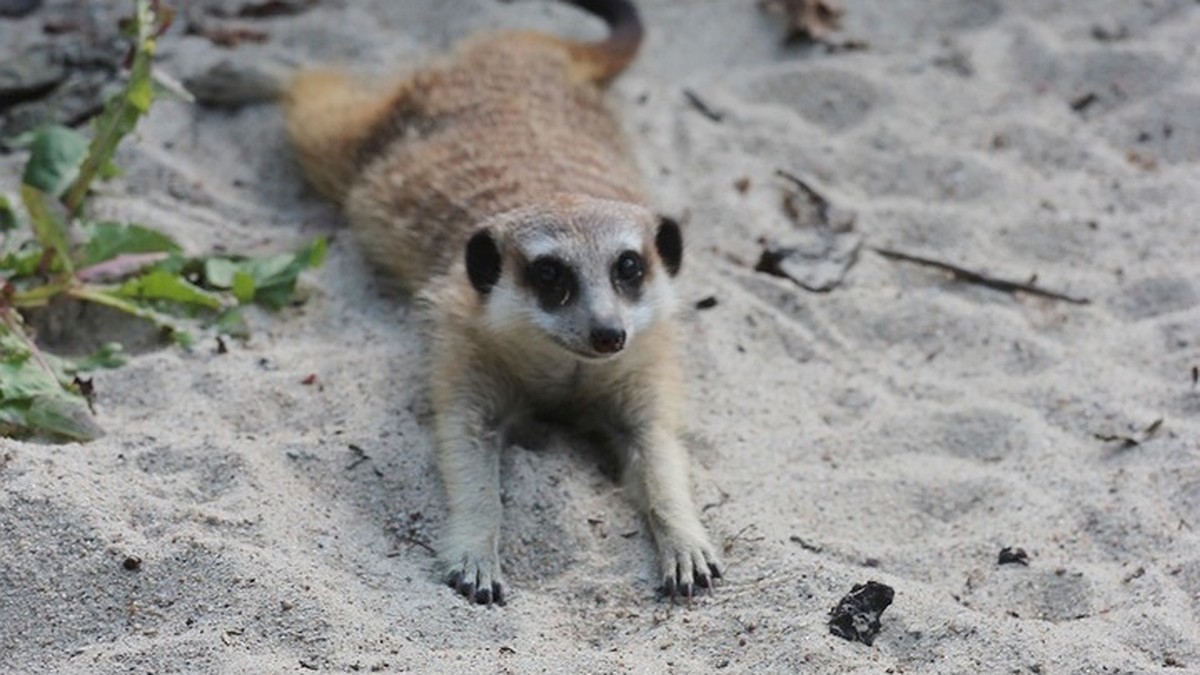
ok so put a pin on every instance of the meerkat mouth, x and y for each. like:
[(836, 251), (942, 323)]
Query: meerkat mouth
[(585, 353)]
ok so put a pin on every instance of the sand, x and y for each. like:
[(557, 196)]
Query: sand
[(903, 427)]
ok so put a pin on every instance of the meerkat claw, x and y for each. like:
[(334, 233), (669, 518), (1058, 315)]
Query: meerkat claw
[(714, 571), (667, 590), (483, 596)]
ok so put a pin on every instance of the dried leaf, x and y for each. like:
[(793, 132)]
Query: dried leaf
[(120, 267), (808, 19)]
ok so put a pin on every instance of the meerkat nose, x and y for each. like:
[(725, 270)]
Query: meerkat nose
[(606, 340)]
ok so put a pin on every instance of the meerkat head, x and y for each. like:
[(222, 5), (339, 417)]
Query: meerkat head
[(585, 274)]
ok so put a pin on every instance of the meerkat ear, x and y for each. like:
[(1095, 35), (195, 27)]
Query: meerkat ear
[(483, 261), (669, 242)]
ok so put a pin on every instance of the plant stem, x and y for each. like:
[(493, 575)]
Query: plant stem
[(121, 114), (38, 297), (98, 296)]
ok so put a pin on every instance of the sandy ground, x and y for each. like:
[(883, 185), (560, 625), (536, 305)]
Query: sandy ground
[(902, 428)]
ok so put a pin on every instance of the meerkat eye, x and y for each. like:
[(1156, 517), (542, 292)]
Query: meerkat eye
[(629, 267), (552, 280), (545, 271)]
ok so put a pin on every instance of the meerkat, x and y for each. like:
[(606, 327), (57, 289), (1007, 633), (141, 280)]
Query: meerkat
[(496, 187)]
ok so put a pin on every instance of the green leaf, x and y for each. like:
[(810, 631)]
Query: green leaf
[(109, 355), (57, 153), (275, 276), (14, 416), (140, 94), (63, 414), (32, 398), (22, 263), (161, 285), (22, 378), (243, 286), (270, 280), (110, 170), (8, 215), (232, 322), (181, 337), (219, 272), (48, 225), (107, 240), (314, 254)]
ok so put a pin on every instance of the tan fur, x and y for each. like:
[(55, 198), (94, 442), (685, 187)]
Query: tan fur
[(328, 115), (505, 123)]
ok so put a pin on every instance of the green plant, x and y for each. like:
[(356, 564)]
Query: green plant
[(125, 266)]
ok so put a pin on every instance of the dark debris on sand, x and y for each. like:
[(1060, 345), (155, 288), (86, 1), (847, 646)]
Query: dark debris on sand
[(856, 616)]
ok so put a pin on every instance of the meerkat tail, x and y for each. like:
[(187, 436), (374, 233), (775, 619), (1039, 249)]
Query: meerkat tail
[(604, 60), (329, 117)]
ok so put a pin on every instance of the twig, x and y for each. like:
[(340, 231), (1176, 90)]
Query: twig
[(818, 200), (1126, 441), (360, 456), (1083, 102), (412, 539), (972, 277), (806, 545), (1129, 441), (702, 107)]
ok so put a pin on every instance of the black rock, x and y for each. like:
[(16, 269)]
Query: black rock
[(1013, 556), (856, 616)]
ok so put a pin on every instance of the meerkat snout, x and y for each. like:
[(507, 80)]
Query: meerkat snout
[(608, 340)]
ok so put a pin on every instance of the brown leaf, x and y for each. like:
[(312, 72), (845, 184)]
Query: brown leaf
[(264, 9), (229, 37), (808, 19)]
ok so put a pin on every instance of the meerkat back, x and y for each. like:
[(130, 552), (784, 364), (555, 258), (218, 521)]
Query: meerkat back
[(508, 120)]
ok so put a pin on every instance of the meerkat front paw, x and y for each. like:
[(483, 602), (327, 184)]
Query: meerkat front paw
[(473, 571), (687, 561)]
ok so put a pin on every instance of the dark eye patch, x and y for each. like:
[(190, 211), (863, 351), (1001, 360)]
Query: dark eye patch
[(553, 281), (627, 274)]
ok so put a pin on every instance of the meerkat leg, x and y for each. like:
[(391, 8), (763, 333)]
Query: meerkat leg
[(469, 460), (657, 477)]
